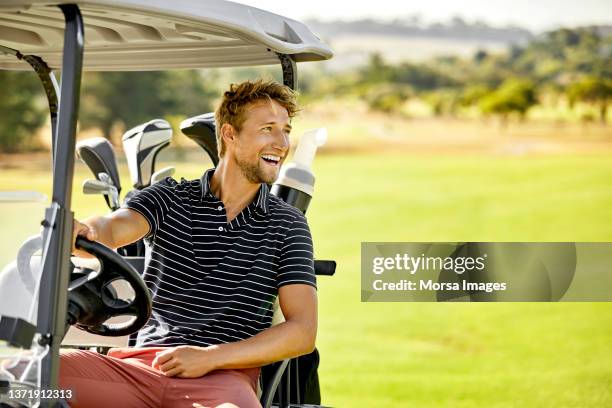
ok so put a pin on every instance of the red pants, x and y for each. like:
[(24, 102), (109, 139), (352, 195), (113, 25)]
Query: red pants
[(125, 379)]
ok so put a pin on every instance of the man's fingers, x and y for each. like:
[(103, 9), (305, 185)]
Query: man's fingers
[(167, 366), (84, 230), (92, 235), (161, 358), (80, 229), (173, 372)]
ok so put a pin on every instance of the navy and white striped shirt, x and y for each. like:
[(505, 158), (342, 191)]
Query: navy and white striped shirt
[(212, 281)]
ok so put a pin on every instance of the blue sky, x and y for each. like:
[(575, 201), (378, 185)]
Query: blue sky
[(536, 15)]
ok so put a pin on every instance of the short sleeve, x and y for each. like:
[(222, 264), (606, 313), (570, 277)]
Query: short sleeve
[(296, 263), (153, 203)]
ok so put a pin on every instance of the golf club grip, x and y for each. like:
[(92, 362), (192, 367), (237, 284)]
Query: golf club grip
[(324, 267)]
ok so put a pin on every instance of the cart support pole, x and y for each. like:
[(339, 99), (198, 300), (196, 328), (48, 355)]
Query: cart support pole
[(50, 85), (47, 79), (289, 67), (59, 218)]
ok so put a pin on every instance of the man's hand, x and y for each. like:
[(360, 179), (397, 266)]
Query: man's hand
[(186, 361), (84, 230)]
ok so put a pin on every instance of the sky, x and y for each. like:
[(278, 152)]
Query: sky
[(536, 15)]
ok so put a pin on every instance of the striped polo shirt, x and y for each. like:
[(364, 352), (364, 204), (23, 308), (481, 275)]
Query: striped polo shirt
[(214, 281)]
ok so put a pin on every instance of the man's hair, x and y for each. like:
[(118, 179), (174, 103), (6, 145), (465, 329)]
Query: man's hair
[(241, 96)]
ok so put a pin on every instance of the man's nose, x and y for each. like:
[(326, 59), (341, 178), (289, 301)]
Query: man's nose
[(281, 141)]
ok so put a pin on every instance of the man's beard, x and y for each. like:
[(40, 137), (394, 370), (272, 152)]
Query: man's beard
[(253, 171)]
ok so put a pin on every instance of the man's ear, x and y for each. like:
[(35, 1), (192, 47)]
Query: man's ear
[(228, 134)]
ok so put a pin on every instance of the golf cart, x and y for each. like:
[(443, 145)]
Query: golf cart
[(126, 35)]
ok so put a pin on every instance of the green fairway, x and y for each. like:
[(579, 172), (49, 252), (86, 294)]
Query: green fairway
[(442, 355), (460, 355)]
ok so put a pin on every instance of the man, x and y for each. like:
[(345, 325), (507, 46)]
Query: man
[(223, 248)]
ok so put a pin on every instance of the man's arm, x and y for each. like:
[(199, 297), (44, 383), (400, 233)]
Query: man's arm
[(292, 338), (117, 229), (141, 215)]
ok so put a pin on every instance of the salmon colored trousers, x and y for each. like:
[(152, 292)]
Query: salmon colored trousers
[(125, 378)]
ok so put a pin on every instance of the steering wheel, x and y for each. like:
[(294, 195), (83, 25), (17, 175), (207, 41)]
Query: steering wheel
[(92, 299)]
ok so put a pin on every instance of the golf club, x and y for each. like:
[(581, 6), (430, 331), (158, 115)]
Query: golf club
[(162, 174), (201, 129), (103, 185), (141, 145), (99, 155)]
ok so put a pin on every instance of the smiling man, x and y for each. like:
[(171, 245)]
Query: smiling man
[(223, 249)]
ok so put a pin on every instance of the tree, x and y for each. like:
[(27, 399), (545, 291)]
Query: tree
[(513, 96), (136, 97), (592, 90), (387, 99), (480, 56), (23, 108), (472, 94), (420, 77), (377, 70)]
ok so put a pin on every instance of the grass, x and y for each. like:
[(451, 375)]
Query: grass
[(429, 354), (460, 355), (352, 127)]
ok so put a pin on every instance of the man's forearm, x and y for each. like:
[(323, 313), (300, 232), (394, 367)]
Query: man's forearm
[(104, 229), (100, 230), (285, 340), (292, 338), (118, 228)]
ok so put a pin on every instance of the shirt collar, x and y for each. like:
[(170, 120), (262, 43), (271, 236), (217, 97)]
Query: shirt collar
[(260, 201)]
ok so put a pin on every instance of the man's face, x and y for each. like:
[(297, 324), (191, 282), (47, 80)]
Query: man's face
[(261, 146)]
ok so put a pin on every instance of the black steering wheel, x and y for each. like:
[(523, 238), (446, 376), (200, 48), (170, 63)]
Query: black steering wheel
[(92, 299)]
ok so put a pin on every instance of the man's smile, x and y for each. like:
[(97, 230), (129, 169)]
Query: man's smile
[(271, 159)]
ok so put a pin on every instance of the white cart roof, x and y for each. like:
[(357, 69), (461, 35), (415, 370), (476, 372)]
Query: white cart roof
[(152, 34)]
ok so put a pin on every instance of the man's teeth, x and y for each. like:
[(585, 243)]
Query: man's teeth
[(271, 157)]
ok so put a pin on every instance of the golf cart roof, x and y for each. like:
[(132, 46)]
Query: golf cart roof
[(136, 35)]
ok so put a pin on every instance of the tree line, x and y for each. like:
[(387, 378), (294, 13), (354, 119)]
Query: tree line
[(108, 99), (575, 64)]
